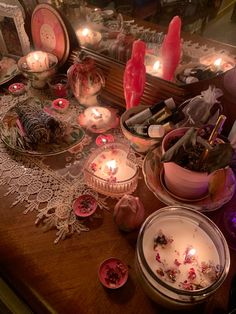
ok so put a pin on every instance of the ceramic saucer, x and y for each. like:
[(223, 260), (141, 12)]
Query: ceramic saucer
[(152, 169), (162, 181)]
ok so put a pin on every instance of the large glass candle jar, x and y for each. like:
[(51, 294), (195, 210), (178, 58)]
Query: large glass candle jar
[(111, 170), (182, 257)]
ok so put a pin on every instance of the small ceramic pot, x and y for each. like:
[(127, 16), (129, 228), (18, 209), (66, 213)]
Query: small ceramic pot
[(182, 182), (139, 143)]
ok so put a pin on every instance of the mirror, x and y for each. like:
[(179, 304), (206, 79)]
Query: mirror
[(110, 28)]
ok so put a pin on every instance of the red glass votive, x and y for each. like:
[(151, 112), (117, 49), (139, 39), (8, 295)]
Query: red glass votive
[(59, 86)]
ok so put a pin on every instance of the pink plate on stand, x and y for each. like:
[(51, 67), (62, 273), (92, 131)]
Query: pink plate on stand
[(49, 32)]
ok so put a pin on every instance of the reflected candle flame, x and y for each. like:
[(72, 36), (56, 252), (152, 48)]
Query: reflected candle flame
[(156, 66), (218, 62), (85, 32)]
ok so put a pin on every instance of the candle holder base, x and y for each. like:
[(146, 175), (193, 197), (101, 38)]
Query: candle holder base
[(38, 79), (38, 84)]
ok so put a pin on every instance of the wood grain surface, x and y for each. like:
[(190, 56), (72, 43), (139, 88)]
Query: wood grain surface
[(63, 278)]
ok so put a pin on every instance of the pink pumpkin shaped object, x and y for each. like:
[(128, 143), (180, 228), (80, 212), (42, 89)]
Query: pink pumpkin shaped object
[(171, 49), (135, 75), (128, 213)]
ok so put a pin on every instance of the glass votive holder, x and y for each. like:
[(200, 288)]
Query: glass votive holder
[(111, 170), (182, 257), (59, 86)]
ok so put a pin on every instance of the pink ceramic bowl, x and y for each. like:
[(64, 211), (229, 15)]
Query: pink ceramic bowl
[(182, 182)]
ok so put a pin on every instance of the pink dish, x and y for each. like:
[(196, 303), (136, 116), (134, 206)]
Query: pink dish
[(85, 205), (49, 32), (113, 273)]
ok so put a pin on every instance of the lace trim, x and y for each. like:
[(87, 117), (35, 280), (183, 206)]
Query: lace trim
[(49, 185)]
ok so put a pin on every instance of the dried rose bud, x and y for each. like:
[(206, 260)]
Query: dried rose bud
[(192, 274), (160, 272)]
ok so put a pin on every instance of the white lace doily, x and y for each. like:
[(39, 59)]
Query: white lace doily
[(49, 185)]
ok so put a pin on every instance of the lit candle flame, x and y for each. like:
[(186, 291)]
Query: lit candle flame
[(191, 252), (112, 166), (96, 114), (36, 57), (15, 86), (156, 66), (104, 140), (85, 32), (218, 62)]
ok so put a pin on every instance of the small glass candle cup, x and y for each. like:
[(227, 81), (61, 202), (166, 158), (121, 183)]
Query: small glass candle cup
[(111, 170), (59, 86), (182, 257)]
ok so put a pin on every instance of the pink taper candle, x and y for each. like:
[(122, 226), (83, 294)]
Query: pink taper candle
[(135, 75), (171, 49)]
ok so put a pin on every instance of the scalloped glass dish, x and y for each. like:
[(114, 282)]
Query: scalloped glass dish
[(112, 170), (152, 171), (11, 136)]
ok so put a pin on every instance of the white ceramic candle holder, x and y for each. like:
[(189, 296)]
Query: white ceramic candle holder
[(38, 75)]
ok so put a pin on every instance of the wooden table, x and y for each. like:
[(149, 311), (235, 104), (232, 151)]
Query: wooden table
[(63, 278)]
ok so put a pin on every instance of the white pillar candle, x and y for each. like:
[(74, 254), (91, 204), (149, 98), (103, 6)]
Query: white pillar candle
[(37, 61)]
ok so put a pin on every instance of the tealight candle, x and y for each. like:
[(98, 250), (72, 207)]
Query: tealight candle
[(182, 256), (104, 139), (60, 104), (218, 63), (17, 89), (88, 37), (110, 171), (97, 119), (37, 61)]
